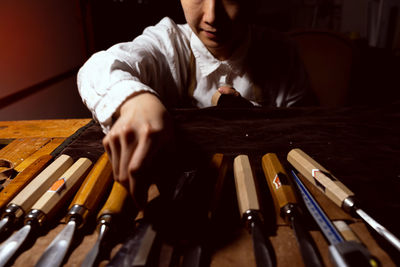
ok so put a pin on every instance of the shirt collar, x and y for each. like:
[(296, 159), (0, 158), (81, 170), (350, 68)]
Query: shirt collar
[(208, 63)]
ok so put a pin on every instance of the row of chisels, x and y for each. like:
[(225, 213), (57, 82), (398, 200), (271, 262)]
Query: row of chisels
[(43, 197), (53, 185), (345, 248)]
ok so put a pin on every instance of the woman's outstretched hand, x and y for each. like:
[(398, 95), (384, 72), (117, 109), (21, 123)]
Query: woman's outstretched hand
[(142, 128)]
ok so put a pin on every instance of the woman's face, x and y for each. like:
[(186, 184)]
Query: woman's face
[(219, 24)]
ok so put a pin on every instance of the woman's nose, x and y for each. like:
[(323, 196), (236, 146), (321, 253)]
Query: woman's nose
[(209, 11)]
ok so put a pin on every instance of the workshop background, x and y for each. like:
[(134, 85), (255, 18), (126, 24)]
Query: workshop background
[(43, 44)]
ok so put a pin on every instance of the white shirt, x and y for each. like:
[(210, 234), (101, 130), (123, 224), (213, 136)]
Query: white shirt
[(159, 61)]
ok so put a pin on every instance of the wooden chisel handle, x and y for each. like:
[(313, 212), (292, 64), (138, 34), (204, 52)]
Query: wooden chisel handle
[(278, 182), (35, 189), (245, 186), (319, 176), (219, 164), (62, 188), (22, 179), (93, 187), (115, 200)]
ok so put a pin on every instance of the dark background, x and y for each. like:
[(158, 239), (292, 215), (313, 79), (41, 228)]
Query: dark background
[(45, 42)]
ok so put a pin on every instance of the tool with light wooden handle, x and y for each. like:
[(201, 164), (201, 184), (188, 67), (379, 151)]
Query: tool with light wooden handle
[(83, 204), (249, 208), (285, 203), (319, 176), (22, 179), (60, 191), (45, 207), (24, 200), (335, 190), (113, 206), (245, 185)]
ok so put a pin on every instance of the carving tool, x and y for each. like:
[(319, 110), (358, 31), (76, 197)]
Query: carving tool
[(335, 190), (85, 201), (286, 206), (22, 179), (249, 208), (343, 253), (24, 200), (111, 208), (45, 207), (196, 255), (136, 250)]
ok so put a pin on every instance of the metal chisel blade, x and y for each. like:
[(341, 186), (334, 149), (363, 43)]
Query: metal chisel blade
[(193, 257), (91, 257), (13, 243), (56, 251), (261, 251), (308, 249), (379, 228), (136, 250)]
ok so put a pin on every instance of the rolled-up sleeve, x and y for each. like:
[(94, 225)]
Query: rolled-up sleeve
[(110, 77)]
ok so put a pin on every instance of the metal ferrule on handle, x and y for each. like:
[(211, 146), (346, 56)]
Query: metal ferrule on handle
[(77, 213), (349, 205), (288, 211), (250, 217), (105, 219), (35, 218), (13, 212)]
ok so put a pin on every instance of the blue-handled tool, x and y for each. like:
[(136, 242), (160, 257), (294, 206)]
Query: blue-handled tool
[(343, 253)]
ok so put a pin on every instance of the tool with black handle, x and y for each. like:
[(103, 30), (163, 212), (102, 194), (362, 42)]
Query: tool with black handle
[(286, 206), (45, 207), (250, 210), (85, 201), (343, 253), (335, 190)]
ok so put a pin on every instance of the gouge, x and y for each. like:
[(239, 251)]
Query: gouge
[(250, 210), (22, 179), (111, 208), (285, 205), (22, 203), (335, 190), (45, 207), (85, 201)]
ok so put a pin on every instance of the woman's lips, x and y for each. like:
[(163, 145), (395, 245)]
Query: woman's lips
[(211, 34)]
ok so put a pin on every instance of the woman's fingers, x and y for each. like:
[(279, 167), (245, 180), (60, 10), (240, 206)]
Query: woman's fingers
[(142, 128), (129, 142)]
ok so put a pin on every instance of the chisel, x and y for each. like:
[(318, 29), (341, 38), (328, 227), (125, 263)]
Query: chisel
[(24, 200), (22, 179), (286, 206), (45, 207), (111, 208), (249, 208), (343, 253), (197, 255), (83, 204), (335, 190), (136, 250)]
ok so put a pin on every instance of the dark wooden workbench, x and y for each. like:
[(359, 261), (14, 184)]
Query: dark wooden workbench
[(360, 145)]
